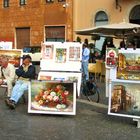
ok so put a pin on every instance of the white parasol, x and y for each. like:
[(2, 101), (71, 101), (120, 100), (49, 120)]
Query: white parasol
[(120, 30)]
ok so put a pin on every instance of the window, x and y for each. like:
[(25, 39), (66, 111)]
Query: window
[(49, 1), (101, 18), (22, 2), (61, 0), (6, 3), (55, 33)]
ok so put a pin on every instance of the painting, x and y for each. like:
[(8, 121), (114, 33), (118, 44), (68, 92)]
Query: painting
[(52, 97), (74, 53), (13, 55), (62, 76), (124, 99), (47, 51), (129, 64), (111, 57), (60, 56)]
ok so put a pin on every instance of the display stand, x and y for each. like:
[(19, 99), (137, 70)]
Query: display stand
[(124, 84), (61, 61), (59, 79)]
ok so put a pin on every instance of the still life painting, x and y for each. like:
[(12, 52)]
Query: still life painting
[(52, 97)]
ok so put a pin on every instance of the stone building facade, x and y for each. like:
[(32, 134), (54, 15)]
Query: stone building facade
[(29, 22)]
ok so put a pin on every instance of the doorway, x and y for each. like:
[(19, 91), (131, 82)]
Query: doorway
[(22, 37)]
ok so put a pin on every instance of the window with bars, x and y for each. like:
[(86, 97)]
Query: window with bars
[(22, 2), (5, 3)]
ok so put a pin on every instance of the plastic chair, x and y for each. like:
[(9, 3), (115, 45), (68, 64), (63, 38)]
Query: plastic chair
[(92, 69)]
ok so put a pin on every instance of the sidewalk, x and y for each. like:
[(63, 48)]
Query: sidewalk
[(91, 122)]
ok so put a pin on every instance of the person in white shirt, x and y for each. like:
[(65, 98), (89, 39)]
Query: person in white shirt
[(7, 74), (85, 60)]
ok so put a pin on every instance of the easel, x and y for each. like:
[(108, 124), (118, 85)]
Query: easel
[(138, 122)]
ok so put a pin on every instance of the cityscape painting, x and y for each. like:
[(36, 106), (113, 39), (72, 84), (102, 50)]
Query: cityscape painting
[(129, 65), (125, 99), (52, 97)]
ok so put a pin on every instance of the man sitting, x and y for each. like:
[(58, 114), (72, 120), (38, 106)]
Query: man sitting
[(25, 73), (7, 74)]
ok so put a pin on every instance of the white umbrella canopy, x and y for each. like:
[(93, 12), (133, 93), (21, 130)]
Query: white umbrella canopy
[(119, 30)]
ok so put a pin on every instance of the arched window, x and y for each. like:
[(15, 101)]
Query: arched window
[(134, 16), (101, 18)]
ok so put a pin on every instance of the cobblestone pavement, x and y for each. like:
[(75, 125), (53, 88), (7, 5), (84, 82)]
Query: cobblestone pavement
[(91, 122)]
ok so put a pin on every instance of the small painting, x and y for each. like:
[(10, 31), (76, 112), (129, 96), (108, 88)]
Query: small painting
[(60, 55), (125, 99), (47, 51), (74, 53), (111, 57), (52, 97)]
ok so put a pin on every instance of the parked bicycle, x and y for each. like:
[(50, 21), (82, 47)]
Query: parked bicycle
[(90, 89)]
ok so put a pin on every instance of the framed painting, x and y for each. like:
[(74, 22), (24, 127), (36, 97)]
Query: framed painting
[(111, 57), (124, 99), (60, 55), (129, 64), (52, 97), (62, 76), (13, 55), (47, 51)]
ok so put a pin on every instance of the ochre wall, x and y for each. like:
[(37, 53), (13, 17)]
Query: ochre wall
[(85, 11)]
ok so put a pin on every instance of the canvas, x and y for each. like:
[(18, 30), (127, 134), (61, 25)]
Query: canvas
[(52, 97), (124, 99), (129, 64)]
